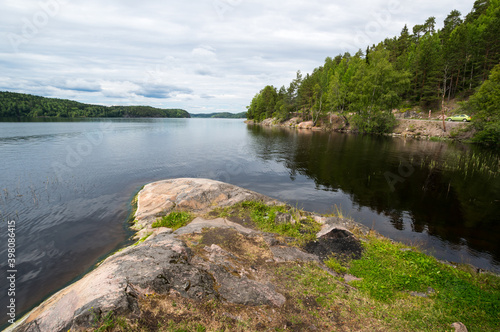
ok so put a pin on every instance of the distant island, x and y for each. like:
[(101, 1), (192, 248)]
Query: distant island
[(223, 115), (20, 105)]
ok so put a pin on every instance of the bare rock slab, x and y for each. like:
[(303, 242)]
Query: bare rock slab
[(157, 266), (229, 263), (197, 195)]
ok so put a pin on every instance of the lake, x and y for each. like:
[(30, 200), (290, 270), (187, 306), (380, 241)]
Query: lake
[(68, 186)]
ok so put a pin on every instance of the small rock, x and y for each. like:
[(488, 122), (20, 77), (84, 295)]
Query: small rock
[(337, 241), (459, 327), (290, 254), (306, 125), (333, 231), (283, 218), (270, 239), (320, 220), (348, 278), (233, 317)]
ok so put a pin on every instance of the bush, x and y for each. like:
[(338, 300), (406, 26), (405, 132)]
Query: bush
[(484, 105), (374, 122)]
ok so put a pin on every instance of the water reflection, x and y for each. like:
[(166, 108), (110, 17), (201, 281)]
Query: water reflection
[(68, 185), (447, 191)]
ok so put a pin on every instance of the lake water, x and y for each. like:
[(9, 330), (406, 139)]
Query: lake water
[(68, 186)]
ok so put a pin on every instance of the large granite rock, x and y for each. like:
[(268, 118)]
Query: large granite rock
[(167, 263), (158, 265), (197, 195), (161, 264)]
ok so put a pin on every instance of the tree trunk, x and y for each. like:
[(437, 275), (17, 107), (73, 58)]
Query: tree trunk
[(456, 83), (442, 102), (450, 88), (319, 111)]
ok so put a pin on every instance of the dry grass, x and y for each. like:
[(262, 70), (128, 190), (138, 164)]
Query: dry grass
[(319, 300)]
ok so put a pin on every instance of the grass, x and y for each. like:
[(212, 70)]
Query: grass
[(390, 273), (438, 139), (109, 322), (336, 265), (133, 207), (400, 288), (174, 220), (301, 227), (142, 239)]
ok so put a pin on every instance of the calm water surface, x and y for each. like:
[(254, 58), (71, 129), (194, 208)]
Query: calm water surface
[(68, 186)]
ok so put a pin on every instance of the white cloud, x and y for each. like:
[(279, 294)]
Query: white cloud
[(197, 55)]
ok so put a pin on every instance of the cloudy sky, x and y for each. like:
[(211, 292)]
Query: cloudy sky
[(199, 55)]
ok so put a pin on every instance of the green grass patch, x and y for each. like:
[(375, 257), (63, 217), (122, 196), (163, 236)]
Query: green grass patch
[(174, 220), (133, 207), (391, 272), (141, 240), (109, 322), (300, 226), (336, 265), (383, 298)]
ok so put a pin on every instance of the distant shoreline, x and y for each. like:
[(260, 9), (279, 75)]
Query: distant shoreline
[(407, 128)]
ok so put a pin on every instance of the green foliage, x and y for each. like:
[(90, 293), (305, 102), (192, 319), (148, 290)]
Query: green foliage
[(374, 122), (24, 105), (485, 105), (427, 70), (109, 322), (174, 220), (222, 115), (263, 104), (141, 240), (334, 264), (421, 69), (391, 272), (300, 227), (264, 216)]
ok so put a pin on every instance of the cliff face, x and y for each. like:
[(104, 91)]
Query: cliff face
[(221, 260)]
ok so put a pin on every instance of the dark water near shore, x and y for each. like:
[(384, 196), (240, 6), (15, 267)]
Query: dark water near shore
[(68, 186)]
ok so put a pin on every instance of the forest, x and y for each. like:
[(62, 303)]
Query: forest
[(19, 105), (222, 115), (422, 69)]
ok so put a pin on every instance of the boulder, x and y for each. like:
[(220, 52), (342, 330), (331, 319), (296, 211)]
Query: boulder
[(305, 125), (208, 259), (158, 265), (459, 327), (162, 264), (335, 241), (198, 195)]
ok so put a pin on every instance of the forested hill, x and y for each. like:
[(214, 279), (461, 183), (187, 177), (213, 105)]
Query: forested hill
[(24, 105), (420, 69), (223, 115)]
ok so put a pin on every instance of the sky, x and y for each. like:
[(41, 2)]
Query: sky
[(203, 56)]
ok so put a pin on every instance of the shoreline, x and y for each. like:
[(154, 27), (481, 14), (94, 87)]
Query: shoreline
[(405, 128), (98, 296)]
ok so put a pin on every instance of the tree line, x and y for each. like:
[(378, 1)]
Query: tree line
[(221, 115), (19, 105), (422, 68)]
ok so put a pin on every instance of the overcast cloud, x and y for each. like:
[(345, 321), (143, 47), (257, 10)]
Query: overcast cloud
[(202, 56)]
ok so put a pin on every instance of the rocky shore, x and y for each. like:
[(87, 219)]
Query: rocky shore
[(224, 271), (164, 263), (408, 128)]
